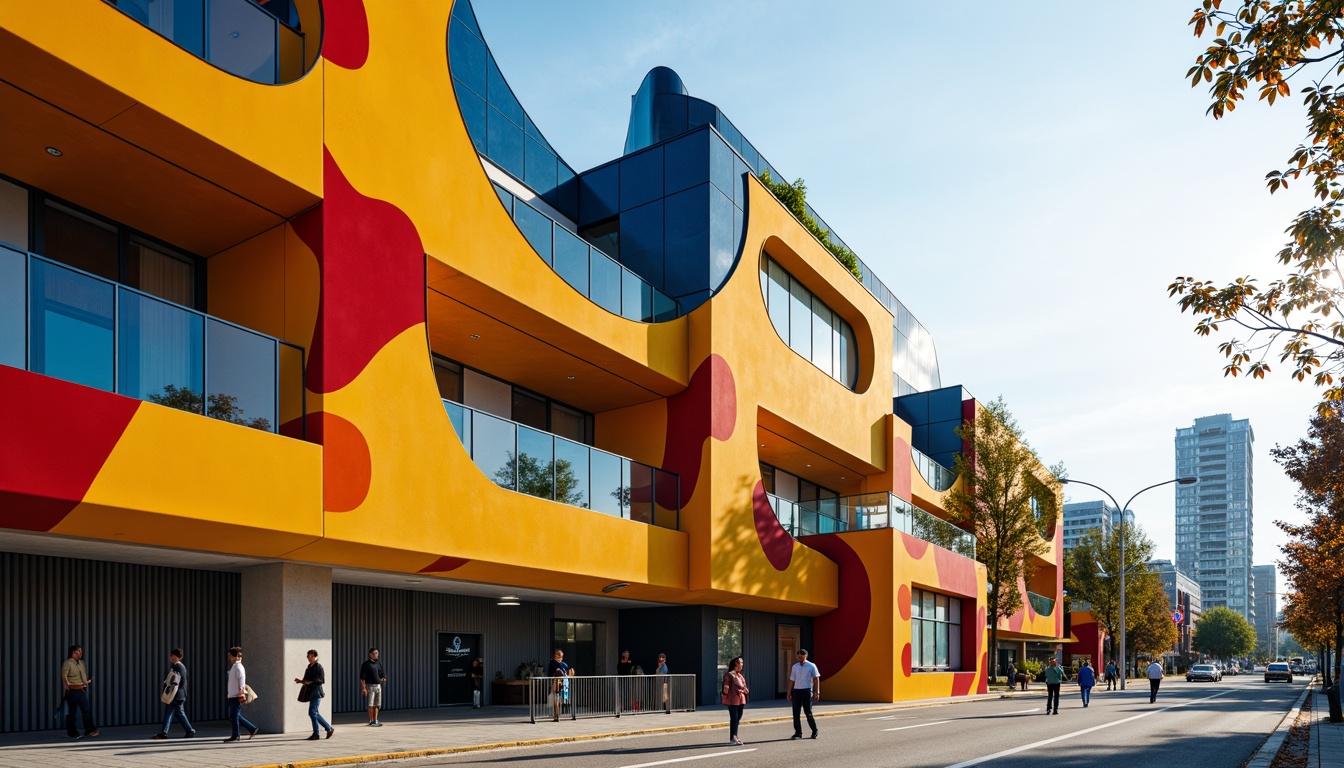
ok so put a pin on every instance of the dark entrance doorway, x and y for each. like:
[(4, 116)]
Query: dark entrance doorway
[(456, 650), (578, 639)]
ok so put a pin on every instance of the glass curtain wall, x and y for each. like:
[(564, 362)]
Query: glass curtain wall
[(807, 325)]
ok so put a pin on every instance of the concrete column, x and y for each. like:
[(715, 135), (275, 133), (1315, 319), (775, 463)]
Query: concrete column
[(286, 612)]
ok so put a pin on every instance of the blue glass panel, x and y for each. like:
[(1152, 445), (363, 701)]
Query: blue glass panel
[(13, 306), (664, 308), (599, 194), (540, 166), (641, 178), (608, 490), (646, 307), (536, 227), (493, 446), (641, 239), (721, 162), (779, 300), (160, 357), (739, 229), (641, 492), (70, 325), (632, 296), (669, 115), (501, 97), (505, 144), (730, 132), (700, 112), (945, 404), (686, 162), (686, 228), (474, 116), (821, 337), (571, 472), (750, 154), (463, 12), (604, 277), (800, 319), (536, 463), (565, 196), (461, 418), (722, 244), (467, 58), (505, 197), (571, 259), (738, 193), (242, 39), (240, 376), (943, 440)]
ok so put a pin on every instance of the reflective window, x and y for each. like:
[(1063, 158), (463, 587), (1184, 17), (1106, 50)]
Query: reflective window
[(529, 409), (571, 259), (935, 631), (448, 376), (160, 357), (609, 491), (604, 286), (536, 463), (505, 140), (492, 448), (240, 381), (13, 301), (641, 492), (808, 325), (571, 472), (80, 240), (71, 316), (536, 227)]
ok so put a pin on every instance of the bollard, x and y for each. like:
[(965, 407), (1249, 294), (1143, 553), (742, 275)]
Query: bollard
[(1332, 696)]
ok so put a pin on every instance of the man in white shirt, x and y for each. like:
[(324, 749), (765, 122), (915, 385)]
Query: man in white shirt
[(1154, 680), (237, 695), (805, 688)]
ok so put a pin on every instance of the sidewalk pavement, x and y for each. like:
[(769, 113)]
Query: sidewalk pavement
[(1327, 738), (407, 733)]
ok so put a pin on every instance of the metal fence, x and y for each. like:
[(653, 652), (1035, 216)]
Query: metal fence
[(551, 698)]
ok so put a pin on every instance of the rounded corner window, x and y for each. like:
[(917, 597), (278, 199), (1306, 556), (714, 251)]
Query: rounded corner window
[(808, 326)]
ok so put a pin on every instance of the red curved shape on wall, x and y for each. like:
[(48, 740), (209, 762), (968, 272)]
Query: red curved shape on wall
[(56, 437), (907, 660), (962, 682), (902, 469), (347, 467), (706, 408), (955, 572), (345, 34), (444, 564), (373, 269), (776, 541), (915, 546), (903, 601), (839, 634)]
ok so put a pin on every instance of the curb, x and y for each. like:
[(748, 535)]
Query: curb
[(376, 757), (1270, 749)]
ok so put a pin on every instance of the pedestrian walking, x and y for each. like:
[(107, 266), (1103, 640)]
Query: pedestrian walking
[(174, 697), (804, 688), (371, 680), (1087, 677), (75, 680), (558, 669), (734, 697), (313, 680), (1110, 675), (477, 682), (1054, 677), (237, 692), (662, 669), (1154, 680)]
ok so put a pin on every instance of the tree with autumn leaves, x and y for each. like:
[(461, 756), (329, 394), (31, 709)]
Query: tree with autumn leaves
[(1313, 558)]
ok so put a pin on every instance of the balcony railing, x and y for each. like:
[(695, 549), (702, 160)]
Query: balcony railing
[(868, 511), (590, 271), (75, 326), (237, 36), (547, 466), (1043, 605), (936, 475)]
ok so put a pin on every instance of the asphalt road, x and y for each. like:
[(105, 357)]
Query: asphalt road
[(1208, 725)]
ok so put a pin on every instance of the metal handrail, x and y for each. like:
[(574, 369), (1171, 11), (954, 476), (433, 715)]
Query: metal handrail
[(940, 478), (572, 697)]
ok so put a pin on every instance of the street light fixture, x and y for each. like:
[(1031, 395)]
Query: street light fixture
[(1124, 661)]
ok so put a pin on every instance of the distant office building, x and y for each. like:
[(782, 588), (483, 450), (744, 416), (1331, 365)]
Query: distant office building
[(1082, 516), (1184, 595), (1214, 516), (1266, 606)]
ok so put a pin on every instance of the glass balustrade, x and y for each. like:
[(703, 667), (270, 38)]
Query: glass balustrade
[(868, 511), (1043, 605), (71, 325), (238, 36), (936, 475), (526, 460), (591, 272)]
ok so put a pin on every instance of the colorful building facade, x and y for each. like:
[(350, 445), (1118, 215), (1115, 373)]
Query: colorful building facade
[(310, 339)]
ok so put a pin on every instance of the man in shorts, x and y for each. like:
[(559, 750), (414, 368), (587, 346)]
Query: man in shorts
[(371, 679)]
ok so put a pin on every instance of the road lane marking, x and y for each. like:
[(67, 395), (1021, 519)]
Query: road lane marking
[(894, 717), (1023, 711), (1074, 734), (693, 757), (921, 725)]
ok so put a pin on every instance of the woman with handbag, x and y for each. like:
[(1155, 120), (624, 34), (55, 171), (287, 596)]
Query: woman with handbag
[(734, 697), (314, 677)]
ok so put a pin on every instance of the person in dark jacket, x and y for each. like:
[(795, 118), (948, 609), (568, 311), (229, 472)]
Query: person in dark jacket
[(177, 708), (315, 677), (1087, 677)]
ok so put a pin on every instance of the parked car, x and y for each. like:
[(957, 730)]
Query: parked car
[(1297, 669), (1259, 668), (1278, 670), (1203, 672)]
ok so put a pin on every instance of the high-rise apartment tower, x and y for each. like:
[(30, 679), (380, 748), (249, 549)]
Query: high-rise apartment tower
[(1214, 516)]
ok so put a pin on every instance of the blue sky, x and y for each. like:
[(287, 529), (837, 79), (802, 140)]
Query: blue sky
[(1028, 178)]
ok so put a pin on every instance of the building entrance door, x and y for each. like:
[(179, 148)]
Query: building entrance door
[(1007, 659), (578, 639), (456, 651), (790, 639)]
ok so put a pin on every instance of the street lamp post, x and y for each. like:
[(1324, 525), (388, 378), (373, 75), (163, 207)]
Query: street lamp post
[(1274, 625), (1124, 573)]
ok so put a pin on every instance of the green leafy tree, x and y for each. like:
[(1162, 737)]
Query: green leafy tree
[(794, 198), (1151, 630), (545, 479), (1005, 490), (1092, 572), (222, 407), (1263, 46), (1224, 633)]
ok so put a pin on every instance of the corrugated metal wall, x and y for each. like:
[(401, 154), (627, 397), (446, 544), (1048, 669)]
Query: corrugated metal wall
[(127, 617), (760, 652), (404, 626)]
